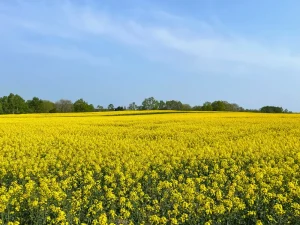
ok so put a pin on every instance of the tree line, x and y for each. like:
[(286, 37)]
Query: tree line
[(15, 104)]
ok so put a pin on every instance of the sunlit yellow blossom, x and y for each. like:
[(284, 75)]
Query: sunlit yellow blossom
[(149, 167)]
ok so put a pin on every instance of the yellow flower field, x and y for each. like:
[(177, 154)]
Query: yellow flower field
[(148, 168)]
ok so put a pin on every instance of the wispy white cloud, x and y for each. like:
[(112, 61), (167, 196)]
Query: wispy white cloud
[(188, 42)]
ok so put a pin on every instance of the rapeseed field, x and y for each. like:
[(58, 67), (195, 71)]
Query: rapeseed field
[(148, 168)]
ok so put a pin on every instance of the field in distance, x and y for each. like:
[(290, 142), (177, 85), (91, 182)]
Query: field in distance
[(149, 167)]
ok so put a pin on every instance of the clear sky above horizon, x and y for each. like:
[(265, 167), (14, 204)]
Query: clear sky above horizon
[(113, 51)]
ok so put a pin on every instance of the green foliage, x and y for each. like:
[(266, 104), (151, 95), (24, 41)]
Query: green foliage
[(162, 105), (13, 104), (186, 107), (218, 106), (207, 106), (53, 110), (100, 108), (35, 105), (150, 104), (272, 109), (4, 104), (174, 105), (222, 106), (132, 106), (82, 106), (197, 108), (91, 108), (111, 107), (119, 108), (64, 105), (47, 106)]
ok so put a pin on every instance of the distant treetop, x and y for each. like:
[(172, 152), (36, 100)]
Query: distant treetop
[(15, 104)]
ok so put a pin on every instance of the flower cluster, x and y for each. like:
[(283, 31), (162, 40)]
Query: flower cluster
[(172, 168)]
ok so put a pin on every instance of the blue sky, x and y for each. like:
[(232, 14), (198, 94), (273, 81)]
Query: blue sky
[(118, 52)]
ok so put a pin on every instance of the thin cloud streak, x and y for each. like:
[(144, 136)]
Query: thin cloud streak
[(228, 52)]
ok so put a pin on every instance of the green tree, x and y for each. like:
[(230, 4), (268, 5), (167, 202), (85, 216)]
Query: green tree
[(186, 107), (218, 106), (132, 106), (233, 107), (100, 108), (197, 108), (34, 105), (1, 110), (47, 106), (207, 106), (64, 105), (16, 104), (150, 104), (111, 107), (161, 105), (4, 103), (272, 109), (91, 108), (119, 108), (82, 106), (173, 105)]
